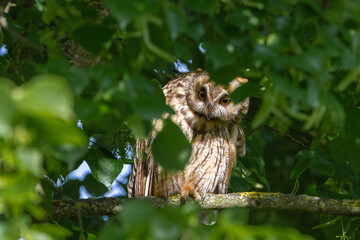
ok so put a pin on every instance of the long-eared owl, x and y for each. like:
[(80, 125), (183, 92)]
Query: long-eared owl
[(210, 121)]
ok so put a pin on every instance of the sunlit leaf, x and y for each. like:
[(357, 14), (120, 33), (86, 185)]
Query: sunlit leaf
[(30, 159), (7, 106), (137, 126), (53, 230), (46, 94), (17, 189)]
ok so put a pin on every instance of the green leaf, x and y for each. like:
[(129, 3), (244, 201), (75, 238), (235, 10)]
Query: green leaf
[(304, 160), (136, 213), (162, 228), (352, 128), (182, 52), (70, 189), (224, 75), (55, 231), (176, 20), (68, 142), (146, 98), (321, 165), (221, 55), (351, 77), (1, 37), (7, 106), (250, 89), (17, 189), (111, 232), (286, 86), (95, 188), (202, 6), (195, 30), (93, 37), (325, 193), (48, 186), (137, 126), (346, 149), (78, 78), (356, 190), (30, 159), (103, 168), (329, 223), (337, 111), (240, 184), (89, 110), (269, 101), (45, 95), (170, 148), (125, 11)]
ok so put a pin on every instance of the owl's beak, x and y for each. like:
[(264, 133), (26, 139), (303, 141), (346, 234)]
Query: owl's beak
[(208, 116)]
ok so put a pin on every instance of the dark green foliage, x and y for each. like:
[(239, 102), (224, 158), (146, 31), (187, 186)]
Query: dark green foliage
[(171, 148), (302, 61)]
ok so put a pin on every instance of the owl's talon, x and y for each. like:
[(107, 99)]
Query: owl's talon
[(187, 190), (184, 197)]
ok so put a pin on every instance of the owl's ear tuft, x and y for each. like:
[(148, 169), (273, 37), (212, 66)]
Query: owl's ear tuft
[(237, 82)]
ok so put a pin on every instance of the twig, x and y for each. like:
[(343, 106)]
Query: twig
[(8, 6), (277, 131), (291, 138), (79, 219)]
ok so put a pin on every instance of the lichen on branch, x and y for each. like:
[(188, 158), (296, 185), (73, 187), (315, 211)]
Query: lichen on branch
[(251, 200)]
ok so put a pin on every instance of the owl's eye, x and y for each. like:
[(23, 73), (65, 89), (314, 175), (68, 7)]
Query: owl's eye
[(202, 95), (225, 101)]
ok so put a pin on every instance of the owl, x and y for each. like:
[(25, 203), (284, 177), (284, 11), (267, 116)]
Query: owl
[(210, 121)]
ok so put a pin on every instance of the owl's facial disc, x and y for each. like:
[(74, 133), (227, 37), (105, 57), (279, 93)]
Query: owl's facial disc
[(213, 103)]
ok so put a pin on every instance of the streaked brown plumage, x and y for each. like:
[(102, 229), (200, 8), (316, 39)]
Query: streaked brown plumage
[(211, 122)]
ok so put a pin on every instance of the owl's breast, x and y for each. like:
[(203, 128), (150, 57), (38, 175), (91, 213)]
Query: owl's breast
[(211, 162)]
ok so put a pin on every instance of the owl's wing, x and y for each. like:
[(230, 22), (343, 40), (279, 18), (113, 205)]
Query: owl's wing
[(241, 143), (141, 180), (241, 139)]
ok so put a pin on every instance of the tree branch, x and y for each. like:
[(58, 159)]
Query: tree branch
[(251, 200)]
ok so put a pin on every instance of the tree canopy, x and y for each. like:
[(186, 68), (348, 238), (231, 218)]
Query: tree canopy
[(81, 80)]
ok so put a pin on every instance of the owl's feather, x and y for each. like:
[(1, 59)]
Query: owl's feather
[(211, 123)]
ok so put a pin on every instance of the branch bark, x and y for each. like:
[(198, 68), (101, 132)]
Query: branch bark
[(251, 200)]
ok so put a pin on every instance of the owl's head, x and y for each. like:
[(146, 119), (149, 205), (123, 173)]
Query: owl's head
[(212, 102)]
